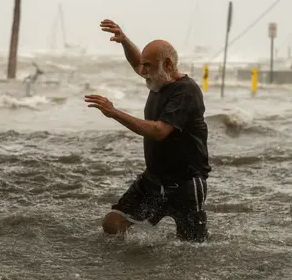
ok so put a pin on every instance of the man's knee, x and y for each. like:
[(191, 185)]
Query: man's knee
[(114, 223)]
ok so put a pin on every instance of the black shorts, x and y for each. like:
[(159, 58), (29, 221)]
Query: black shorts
[(150, 200)]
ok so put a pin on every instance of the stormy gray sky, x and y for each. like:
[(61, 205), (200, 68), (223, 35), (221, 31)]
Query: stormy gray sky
[(147, 20)]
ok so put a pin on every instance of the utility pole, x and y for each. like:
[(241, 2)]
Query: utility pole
[(229, 21), (12, 63)]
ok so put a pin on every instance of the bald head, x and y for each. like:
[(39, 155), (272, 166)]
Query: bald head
[(161, 51), (155, 46), (159, 61)]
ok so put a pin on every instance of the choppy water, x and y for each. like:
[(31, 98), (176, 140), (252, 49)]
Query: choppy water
[(62, 165)]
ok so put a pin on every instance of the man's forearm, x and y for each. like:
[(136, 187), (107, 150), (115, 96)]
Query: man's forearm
[(142, 127), (132, 53)]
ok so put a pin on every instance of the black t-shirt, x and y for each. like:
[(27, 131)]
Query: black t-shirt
[(184, 152)]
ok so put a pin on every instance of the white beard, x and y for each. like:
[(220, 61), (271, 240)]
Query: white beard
[(155, 81)]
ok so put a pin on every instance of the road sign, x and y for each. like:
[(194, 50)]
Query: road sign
[(272, 30)]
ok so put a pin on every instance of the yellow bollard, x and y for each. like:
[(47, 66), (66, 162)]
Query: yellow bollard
[(205, 78), (254, 80)]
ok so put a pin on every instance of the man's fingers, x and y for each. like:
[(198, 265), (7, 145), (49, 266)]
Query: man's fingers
[(107, 21), (89, 100), (111, 30), (96, 101), (90, 95), (94, 96), (108, 24), (115, 39), (93, 106)]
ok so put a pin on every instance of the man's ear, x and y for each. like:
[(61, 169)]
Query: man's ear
[(167, 64)]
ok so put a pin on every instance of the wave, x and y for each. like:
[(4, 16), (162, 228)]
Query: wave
[(74, 159), (239, 160), (31, 102), (105, 149), (237, 124)]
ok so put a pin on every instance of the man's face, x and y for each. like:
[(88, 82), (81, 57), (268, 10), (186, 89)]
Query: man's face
[(154, 72)]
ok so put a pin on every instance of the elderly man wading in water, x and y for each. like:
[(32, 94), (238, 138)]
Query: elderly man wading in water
[(175, 144)]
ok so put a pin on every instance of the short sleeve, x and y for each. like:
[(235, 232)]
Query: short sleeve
[(176, 111)]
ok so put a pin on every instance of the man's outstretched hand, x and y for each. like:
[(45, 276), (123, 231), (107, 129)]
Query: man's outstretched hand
[(110, 26), (101, 103)]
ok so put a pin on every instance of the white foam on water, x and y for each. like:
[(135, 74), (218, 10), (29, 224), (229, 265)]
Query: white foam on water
[(32, 102)]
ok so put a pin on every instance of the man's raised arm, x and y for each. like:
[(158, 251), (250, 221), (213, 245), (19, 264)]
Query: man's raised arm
[(132, 53)]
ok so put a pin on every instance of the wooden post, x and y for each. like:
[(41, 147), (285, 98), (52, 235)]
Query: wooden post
[(12, 63)]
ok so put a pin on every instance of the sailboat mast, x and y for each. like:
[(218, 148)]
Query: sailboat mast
[(192, 27), (63, 25), (53, 35)]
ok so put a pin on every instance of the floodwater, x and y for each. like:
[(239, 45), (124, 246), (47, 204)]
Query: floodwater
[(62, 165)]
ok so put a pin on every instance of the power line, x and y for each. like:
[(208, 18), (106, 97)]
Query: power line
[(193, 13), (248, 28)]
